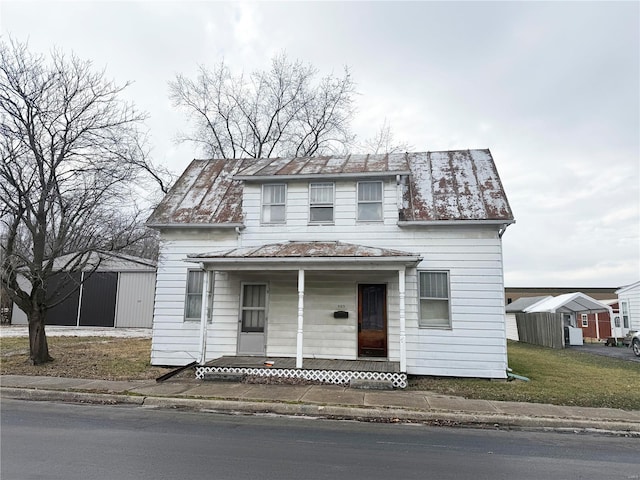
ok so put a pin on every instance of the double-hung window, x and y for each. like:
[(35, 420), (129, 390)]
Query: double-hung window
[(321, 202), (435, 311), (273, 203), (585, 319), (369, 201), (193, 301)]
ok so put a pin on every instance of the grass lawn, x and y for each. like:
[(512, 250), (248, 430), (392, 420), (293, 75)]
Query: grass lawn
[(561, 377), (83, 357)]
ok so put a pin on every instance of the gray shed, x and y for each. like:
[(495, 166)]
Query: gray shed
[(119, 293)]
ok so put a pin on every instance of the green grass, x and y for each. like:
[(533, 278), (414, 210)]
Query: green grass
[(560, 377)]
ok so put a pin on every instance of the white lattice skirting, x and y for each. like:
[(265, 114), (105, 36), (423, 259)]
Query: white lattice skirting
[(337, 377)]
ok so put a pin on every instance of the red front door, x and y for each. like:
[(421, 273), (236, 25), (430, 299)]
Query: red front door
[(372, 320)]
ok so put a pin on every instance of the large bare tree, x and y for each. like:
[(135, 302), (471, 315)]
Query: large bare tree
[(282, 111), (71, 150)]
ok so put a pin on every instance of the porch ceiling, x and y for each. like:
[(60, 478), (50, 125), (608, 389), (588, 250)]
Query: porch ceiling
[(320, 255)]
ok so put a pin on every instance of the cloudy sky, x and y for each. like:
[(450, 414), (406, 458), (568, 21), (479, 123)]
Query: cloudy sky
[(551, 88)]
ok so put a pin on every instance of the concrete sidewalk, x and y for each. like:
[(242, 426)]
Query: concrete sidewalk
[(326, 401)]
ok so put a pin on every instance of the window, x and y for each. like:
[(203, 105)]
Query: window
[(624, 309), (321, 202), (254, 307), (434, 300), (273, 203), (193, 302), (370, 201), (585, 320)]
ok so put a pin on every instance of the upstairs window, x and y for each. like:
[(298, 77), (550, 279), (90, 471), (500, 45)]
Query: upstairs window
[(370, 201), (321, 199), (273, 203), (434, 300), (193, 302)]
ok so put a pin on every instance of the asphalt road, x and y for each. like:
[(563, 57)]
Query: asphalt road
[(621, 353), (42, 440)]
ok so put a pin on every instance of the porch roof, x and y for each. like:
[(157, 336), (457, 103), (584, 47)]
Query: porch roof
[(295, 252)]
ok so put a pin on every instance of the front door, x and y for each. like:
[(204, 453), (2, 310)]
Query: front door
[(253, 320), (372, 320)]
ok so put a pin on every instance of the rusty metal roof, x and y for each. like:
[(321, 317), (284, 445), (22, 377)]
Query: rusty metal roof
[(205, 195), (339, 166), (459, 185), (308, 250)]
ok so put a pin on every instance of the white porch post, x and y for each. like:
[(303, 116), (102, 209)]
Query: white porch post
[(204, 314), (403, 320), (300, 335)]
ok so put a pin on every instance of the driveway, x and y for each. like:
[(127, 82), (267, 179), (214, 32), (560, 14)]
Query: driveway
[(622, 353), (59, 331)]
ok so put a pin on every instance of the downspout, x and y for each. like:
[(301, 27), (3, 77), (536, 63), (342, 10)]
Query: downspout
[(239, 233)]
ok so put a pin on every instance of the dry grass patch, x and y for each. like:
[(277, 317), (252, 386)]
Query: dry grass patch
[(83, 357), (560, 377)]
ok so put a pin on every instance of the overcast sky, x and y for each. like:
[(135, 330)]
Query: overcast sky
[(551, 88)]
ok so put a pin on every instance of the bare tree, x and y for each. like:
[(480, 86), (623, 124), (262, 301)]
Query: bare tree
[(71, 152), (384, 142), (278, 112)]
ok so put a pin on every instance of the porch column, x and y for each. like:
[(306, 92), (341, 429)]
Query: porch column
[(300, 335), (403, 320), (204, 315)]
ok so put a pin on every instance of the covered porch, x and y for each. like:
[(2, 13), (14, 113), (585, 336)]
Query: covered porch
[(306, 334)]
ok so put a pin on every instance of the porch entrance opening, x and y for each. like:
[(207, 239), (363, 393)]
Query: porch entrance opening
[(372, 320)]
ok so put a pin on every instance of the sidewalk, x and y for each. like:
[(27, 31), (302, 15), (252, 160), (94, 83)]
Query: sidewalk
[(326, 401)]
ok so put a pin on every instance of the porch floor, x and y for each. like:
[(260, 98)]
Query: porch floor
[(362, 365)]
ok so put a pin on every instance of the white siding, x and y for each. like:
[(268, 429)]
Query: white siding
[(512, 327), (475, 345), (631, 295), (175, 342), (134, 305)]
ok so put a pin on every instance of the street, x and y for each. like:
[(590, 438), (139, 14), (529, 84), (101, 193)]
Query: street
[(42, 440)]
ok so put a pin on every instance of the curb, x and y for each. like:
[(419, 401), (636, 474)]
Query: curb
[(338, 412)]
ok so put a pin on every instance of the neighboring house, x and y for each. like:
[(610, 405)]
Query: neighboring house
[(395, 258), (629, 301), (598, 325), (119, 293)]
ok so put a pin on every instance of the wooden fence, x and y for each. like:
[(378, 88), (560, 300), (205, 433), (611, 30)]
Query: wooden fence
[(541, 328)]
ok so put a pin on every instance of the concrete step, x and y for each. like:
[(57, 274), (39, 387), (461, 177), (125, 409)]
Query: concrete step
[(370, 384), (223, 377)]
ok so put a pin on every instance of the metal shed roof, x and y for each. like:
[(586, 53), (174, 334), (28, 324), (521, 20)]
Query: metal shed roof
[(453, 186)]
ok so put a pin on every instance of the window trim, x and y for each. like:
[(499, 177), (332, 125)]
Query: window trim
[(449, 326), (187, 294), (624, 313), (585, 319), (323, 205), (264, 204), (381, 201), (243, 308)]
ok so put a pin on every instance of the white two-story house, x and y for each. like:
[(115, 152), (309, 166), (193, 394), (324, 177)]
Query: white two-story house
[(392, 258)]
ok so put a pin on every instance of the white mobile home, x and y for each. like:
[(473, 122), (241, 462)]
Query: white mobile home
[(395, 258)]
